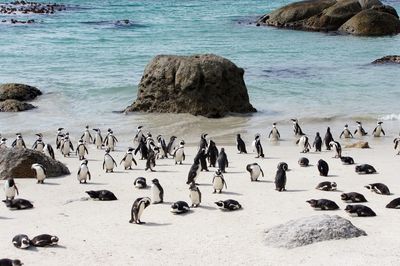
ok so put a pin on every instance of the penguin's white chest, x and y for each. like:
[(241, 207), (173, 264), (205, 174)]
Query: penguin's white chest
[(66, 148), (179, 155), (40, 147), (110, 142), (255, 173), (346, 133), (10, 191), (81, 150), (98, 140), (253, 144), (218, 183), (19, 143), (156, 193), (195, 197), (140, 211), (40, 174), (378, 132), (83, 173), (128, 160), (274, 135), (109, 163), (86, 137)]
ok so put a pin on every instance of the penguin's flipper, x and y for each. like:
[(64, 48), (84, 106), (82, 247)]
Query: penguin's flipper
[(355, 131), (86, 150), (183, 156), (104, 164), (79, 171), (396, 144), (223, 180), (341, 134), (383, 132), (14, 143), (115, 163), (123, 159), (270, 133), (23, 143), (115, 139), (34, 145), (374, 130), (82, 135), (44, 170), (262, 172), (134, 161), (51, 151), (199, 194), (71, 146), (89, 175), (279, 135)]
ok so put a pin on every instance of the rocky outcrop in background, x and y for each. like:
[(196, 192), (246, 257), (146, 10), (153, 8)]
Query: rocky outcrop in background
[(357, 17), (12, 96), (207, 85)]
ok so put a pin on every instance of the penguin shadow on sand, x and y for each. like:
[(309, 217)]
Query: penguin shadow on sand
[(165, 171), (50, 184), (94, 184), (231, 193), (151, 224), (5, 218), (296, 190), (262, 181)]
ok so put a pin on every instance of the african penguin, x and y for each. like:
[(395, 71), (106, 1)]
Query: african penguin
[(59, 137), (81, 150), (378, 188), (304, 144), (359, 210), (103, 195), (40, 172), (365, 169), (222, 160), (44, 240), (86, 136), (258, 147), (323, 168), (193, 172), (323, 204), (110, 141), (10, 188), (179, 153), (172, 145), (327, 186), (21, 241), (317, 142), (394, 204), (338, 148), (98, 138), (360, 130), (38, 145), (48, 150), (10, 262), (347, 160), (18, 204), (143, 148), (66, 146), (378, 130), (157, 192), (3, 143), (140, 182), (83, 172), (274, 133), (353, 197), (396, 142), (303, 162), (18, 142), (328, 138), (180, 207), (218, 182), (280, 177), (346, 132), (128, 159), (151, 159), (163, 147), (109, 162), (202, 158), (228, 205), (139, 136), (212, 154), (241, 146), (137, 209), (296, 128), (255, 170), (203, 144), (195, 195)]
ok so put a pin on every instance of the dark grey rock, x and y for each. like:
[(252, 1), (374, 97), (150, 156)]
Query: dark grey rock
[(15, 106), (20, 92)]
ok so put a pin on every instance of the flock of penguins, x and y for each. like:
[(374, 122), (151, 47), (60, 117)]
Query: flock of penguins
[(151, 149)]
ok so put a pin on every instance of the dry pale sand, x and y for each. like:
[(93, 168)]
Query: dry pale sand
[(98, 233)]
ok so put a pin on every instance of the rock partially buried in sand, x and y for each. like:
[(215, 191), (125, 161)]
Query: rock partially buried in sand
[(17, 162), (389, 59), (357, 17), (20, 92), (15, 106), (359, 144), (308, 230), (207, 85)]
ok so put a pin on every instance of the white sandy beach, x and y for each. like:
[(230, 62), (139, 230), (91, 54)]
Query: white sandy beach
[(98, 233)]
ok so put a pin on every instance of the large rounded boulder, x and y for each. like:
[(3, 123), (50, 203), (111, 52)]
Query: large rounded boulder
[(20, 92), (17, 162), (15, 106), (207, 85), (372, 22)]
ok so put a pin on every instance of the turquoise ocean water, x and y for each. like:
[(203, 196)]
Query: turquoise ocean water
[(88, 66)]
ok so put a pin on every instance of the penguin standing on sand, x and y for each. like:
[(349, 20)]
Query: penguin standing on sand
[(109, 162), (222, 160), (110, 140), (18, 142), (3, 143), (48, 150), (257, 146), (212, 154), (66, 146), (396, 142), (346, 133), (274, 133), (59, 137), (163, 147), (360, 130), (143, 149), (139, 136), (328, 138), (151, 160), (137, 209), (10, 188), (81, 150), (280, 177), (195, 195), (172, 145), (98, 139), (128, 159), (202, 157), (304, 144), (157, 191), (179, 153), (338, 148), (83, 172), (203, 141), (40, 172), (378, 130), (38, 145), (317, 142), (86, 136), (193, 172), (241, 146), (218, 182), (255, 170), (296, 128)]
